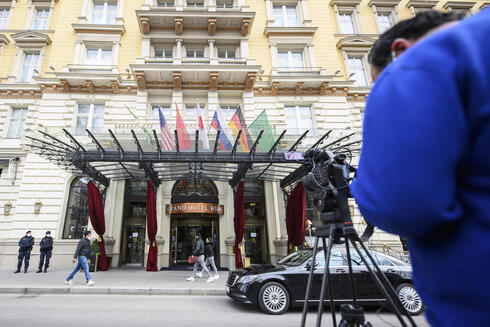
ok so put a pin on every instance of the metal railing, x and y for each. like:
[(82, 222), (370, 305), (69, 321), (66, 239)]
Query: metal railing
[(195, 61), (83, 68), (296, 71), (235, 61), (156, 60)]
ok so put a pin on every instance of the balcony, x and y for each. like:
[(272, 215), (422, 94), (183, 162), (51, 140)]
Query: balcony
[(91, 69), (298, 71), (193, 61)]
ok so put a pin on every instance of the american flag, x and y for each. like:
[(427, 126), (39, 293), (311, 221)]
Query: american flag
[(167, 140)]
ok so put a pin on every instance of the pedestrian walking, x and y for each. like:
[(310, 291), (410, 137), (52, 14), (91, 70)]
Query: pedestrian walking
[(25, 248), (199, 250), (46, 248), (210, 256), (82, 253)]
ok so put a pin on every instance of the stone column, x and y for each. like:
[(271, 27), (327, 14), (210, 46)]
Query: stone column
[(213, 58), (178, 52)]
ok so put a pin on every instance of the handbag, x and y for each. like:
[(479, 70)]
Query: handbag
[(192, 259)]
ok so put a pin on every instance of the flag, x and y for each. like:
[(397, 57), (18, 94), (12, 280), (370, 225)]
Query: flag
[(236, 124), (167, 139), (145, 130), (203, 135), (184, 139), (225, 138), (262, 123)]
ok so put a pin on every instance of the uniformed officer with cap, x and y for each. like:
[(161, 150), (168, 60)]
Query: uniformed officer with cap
[(25, 247), (46, 246)]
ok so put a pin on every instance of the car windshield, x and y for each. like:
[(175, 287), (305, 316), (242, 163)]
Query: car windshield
[(296, 258)]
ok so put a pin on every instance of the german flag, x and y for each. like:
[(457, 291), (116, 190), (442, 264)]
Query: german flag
[(236, 124)]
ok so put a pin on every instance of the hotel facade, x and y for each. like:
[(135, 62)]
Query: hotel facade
[(80, 64)]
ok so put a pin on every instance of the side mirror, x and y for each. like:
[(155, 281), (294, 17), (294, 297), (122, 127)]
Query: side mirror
[(308, 264)]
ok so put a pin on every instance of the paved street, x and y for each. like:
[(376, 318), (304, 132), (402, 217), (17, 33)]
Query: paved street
[(216, 311)]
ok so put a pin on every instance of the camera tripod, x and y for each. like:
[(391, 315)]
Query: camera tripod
[(338, 228)]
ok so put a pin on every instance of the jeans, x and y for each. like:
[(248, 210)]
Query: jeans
[(210, 261), (23, 255), (82, 263), (45, 254), (200, 262)]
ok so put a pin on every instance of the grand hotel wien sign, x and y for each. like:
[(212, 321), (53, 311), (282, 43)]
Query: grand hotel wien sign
[(185, 208)]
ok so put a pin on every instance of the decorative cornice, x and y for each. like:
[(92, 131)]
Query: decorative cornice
[(31, 38), (290, 31), (384, 3), (345, 3), (458, 5), (99, 28), (355, 41), (484, 5), (4, 40), (422, 4)]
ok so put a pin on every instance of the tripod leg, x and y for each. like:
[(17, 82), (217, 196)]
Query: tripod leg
[(351, 274), (389, 288), (326, 281), (310, 281)]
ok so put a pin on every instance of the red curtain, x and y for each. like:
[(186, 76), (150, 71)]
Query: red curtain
[(239, 224), (96, 213), (151, 227), (296, 216)]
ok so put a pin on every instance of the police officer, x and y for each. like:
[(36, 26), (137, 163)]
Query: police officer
[(25, 247), (46, 246)]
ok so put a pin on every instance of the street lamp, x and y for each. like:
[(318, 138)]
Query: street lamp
[(37, 207), (7, 207)]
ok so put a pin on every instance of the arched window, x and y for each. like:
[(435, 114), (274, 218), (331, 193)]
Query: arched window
[(194, 191), (76, 220)]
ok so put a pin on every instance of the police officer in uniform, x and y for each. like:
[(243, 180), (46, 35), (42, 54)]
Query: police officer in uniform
[(46, 246), (25, 247)]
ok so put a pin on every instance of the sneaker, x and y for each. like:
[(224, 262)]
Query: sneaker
[(90, 283), (216, 276), (69, 282), (190, 279), (210, 279), (199, 274)]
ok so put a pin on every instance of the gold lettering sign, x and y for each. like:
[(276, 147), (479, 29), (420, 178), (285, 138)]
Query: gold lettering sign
[(183, 208)]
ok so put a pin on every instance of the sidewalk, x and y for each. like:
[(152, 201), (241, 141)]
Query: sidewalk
[(115, 281)]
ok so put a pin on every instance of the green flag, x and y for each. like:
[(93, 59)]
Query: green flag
[(145, 130), (262, 123)]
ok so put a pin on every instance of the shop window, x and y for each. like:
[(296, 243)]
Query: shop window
[(76, 221)]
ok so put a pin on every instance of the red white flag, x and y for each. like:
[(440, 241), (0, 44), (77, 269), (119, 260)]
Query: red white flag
[(184, 139), (203, 135)]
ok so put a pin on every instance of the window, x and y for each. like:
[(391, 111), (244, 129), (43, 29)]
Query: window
[(195, 3), (336, 259), (226, 54), (356, 66), (191, 110), (346, 23), (4, 15), (228, 112), (290, 59), (17, 122), (298, 119), (41, 19), (76, 221), (98, 56), (385, 22), (104, 13), (164, 53), (91, 117), (195, 54), (155, 116), (224, 4), (285, 16), (165, 3), (30, 63)]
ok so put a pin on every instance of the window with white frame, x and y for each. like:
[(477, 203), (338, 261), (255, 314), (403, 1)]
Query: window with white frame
[(164, 53), (298, 119), (346, 23), (155, 116), (104, 12), (195, 53), (224, 4), (290, 59), (29, 64), (17, 123), (228, 111), (191, 109), (98, 56), (165, 3), (355, 65), (285, 16), (4, 16), (195, 3), (226, 53), (41, 18), (385, 21), (91, 117)]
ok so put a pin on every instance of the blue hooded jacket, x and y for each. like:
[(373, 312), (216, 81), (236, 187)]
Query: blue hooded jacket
[(424, 170)]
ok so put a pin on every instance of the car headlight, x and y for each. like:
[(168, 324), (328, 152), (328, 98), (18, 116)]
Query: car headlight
[(247, 279)]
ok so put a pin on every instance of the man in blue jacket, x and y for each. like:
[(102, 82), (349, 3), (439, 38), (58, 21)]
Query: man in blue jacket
[(424, 170)]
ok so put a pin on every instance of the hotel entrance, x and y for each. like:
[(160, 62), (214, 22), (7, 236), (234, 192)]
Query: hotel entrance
[(194, 209)]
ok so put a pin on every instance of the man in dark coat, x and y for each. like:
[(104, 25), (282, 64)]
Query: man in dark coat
[(46, 248), (25, 248), (199, 250), (81, 254)]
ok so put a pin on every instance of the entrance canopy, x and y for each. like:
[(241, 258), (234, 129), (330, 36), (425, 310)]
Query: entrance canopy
[(132, 154)]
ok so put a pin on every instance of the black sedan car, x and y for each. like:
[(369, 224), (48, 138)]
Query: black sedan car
[(276, 287)]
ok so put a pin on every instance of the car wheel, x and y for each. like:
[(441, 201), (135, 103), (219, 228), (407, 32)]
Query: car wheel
[(410, 299), (273, 298)]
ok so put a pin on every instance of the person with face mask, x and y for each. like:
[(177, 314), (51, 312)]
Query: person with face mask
[(46, 248), (25, 248)]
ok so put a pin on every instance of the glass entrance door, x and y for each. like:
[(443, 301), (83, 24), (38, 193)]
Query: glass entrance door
[(255, 243), (136, 244)]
